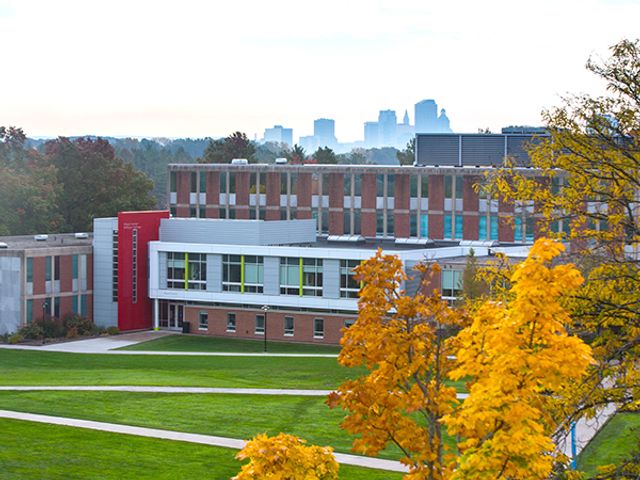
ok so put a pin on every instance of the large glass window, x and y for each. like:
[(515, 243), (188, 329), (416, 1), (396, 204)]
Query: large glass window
[(259, 324), (231, 322), (74, 266), (318, 328), (253, 274), (194, 182), (482, 228), (56, 267), (288, 326), (448, 226), (451, 283), (29, 312), (312, 277), (529, 229), (289, 276), (448, 186), (203, 182), (424, 225), (493, 233), (349, 286), (517, 234), (197, 271), (379, 223), (231, 273), (172, 182), (175, 270), (47, 269)]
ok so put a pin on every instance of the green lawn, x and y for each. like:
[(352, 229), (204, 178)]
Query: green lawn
[(617, 439), (29, 450), (20, 367), (235, 416), (193, 343)]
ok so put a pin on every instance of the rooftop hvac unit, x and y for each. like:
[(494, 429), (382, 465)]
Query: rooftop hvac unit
[(81, 235), (281, 161), (41, 238), (3, 245), (239, 161)]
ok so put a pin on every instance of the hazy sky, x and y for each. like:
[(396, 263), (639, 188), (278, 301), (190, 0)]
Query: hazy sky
[(207, 68)]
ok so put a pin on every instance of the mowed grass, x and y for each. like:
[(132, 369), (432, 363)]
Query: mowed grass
[(29, 450), (235, 416), (193, 343), (617, 440), (21, 367)]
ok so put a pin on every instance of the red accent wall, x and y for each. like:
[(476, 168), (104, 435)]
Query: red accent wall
[(138, 315)]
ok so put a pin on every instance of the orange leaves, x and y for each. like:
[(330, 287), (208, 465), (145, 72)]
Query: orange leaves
[(286, 457)]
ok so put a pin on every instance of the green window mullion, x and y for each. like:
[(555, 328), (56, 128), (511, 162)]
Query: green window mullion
[(186, 271), (241, 273), (300, 277)]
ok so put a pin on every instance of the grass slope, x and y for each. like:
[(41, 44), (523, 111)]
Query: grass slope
[(617, 439), (235, 416), (30, 450), (192, 343), (20, 367)]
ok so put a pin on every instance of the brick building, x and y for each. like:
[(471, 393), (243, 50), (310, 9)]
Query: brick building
[(44, 276)]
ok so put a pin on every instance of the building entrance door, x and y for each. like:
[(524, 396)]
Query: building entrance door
[(176, 316)]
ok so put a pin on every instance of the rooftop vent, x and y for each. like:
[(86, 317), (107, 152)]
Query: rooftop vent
[(413, 241), (239, 161), (3, 245), (41, 238), (345, 238), (82, 235), (281, 161)]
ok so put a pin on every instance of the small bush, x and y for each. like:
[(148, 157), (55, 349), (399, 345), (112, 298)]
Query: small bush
[(31, 332), (79, 325), (52, 328), (113, 330), (15, 338)]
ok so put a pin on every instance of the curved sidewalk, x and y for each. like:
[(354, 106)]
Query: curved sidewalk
[(212, 440)]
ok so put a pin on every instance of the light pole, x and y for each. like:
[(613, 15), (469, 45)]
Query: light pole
[(265, 309)]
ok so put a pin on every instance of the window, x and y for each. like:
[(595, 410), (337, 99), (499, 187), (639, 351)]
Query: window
[(253, 281), (413, 224), (390, 226), (459, 185), (203, 182), (318, 328), (47, 269), (448, 186), (493, 233), (203, 321), (290, 275), (202, 211), (231, 273), (424, 186), (56, 307), (259, 324), (288, 326), (74, 266), (529, 229), (194, 182), (134, 265), (391, 181), (172, 182), (312, 277), (459, 226), (83, 305), (447, 226), (482, 228), (114, 270), (349, 286), (30, 270), (424, 225), (29, 313), (451, 283), (349, 322), (379, 223), (231, 322), (175, 270), (197, 273), (75, 303), (517, 234)]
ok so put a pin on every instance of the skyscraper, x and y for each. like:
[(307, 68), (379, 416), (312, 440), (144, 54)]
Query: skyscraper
[(279, 134), (324, 130), (426, 116), (371, 137)]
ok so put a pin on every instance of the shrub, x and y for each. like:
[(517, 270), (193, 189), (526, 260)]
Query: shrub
[(75, 325), (52, 328), (113, 330), (32, 331), (15, 338)]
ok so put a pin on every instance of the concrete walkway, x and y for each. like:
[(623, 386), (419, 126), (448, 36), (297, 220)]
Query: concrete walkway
[(212, 440), (108, 345), (151, 389)]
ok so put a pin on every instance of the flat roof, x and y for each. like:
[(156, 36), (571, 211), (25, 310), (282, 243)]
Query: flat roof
[(54, 240)]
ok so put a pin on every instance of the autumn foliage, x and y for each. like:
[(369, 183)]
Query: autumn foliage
[(286, 457)]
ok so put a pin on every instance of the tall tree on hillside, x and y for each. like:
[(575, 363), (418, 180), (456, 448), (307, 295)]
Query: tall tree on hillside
[(324, 155), (592, 155), (408, 155), (236, 145), (95, 183)]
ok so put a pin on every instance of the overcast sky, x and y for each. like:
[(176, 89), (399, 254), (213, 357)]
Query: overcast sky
[(205, 68)]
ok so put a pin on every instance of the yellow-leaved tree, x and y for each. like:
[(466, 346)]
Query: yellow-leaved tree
[(286, 457), (402, 341), (520, 359)]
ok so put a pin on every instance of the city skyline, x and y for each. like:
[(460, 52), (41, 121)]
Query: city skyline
[(154, 69)]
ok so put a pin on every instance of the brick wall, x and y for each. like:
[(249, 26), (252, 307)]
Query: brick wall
[(470, 207), (436, 206)]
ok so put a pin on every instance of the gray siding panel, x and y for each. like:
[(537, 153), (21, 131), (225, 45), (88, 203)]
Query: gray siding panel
[(105, 310), (243, 232), (214, 273), (272, 275), (10, 308), (331, 278)]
